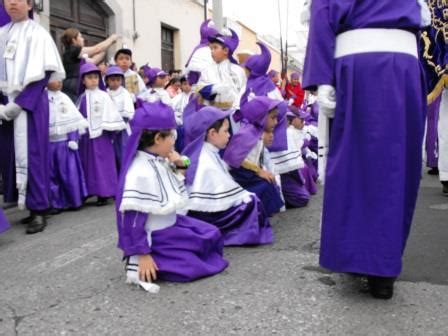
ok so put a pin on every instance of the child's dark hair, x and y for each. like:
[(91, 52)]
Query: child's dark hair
[(183, 79), (216, 126), (172, 82), (148, 137)]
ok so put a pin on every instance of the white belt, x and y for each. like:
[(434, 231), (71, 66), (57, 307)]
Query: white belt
[(371, 40)]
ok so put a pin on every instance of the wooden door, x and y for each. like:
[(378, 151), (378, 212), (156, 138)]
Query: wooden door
[(86, 15)]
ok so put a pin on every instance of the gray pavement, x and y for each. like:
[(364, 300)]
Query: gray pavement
[(69, 281)]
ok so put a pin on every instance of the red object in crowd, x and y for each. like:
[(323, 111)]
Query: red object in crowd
[(296, 93)]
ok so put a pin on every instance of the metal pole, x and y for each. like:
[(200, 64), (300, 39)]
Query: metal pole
[(205, 10), (281, 38), (217, 14)]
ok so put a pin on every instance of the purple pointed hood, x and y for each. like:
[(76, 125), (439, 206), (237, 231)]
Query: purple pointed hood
[(259, 64), (230, 41), (207, 29), (199, 122), (255, 113)]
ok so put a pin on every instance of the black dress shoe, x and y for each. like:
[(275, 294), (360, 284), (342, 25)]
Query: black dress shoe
[(102, 201), (445, 188), (433, 171), (54, 212), (37, 225), (29, 219), (381, 287)]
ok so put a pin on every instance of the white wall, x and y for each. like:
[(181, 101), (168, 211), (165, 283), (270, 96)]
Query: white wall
[(185, 15)]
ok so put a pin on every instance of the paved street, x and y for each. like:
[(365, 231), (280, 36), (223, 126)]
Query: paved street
[(69, 281)]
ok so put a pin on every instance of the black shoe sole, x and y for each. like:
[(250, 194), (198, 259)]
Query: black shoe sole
[(35, 229)]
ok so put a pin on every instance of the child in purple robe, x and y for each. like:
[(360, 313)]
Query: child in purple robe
[(67, 183), (157, 242), (214, 196), (96, 146), (245, 152), (295, 175), (156, 81), (123, 101)]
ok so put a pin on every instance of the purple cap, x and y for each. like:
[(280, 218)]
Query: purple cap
[(259, 64), (114, 70), (208, 29), (154, 116), (203, 119), (295, 76), (85, 69), (273, 73), (230, 41), (196, 126), (153, 73), (256, 110)]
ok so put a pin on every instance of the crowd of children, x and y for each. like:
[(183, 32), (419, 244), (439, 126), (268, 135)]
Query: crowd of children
[(246, 154)]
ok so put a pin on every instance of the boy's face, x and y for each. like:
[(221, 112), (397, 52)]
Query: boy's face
[(185, 87), (91, 81), (219, 53), (55, 86), (271, 121), (268, 138), (114, 82), (276, 79), (17, 9), (164, 146), (221, 138), (124, 61), (298, 123), (294, 82), (160, 81)]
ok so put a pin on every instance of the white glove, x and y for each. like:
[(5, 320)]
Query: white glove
[(305, 16), (308, 136), (73, 145), (220, 88), (311, 155), (290, 101), (425, 13), (326, 98), (10, 111)]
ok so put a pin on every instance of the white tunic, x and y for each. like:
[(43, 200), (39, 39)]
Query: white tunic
[(443, 137), (64, 116), (155, 94), (179, 104), (102, 114), (228, 74), (213, 188), (152, 187), (290, 159)]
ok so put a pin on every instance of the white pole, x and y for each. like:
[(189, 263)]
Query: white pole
[(217, 14)]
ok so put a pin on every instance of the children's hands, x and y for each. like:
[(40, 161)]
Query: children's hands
[(147, 268), (264, 174), (176, 158)]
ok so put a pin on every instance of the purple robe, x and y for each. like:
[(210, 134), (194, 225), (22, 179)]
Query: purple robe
[(4, 224), (7, 159), (432, 137), (34, 101), (98, 161), (374, 160), (294, 190), (67, 183)]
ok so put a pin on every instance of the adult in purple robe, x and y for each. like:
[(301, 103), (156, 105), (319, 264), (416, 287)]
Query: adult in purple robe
[(367, 52), (29, 58)]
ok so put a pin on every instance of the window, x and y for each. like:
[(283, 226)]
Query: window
[(167, 48)]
